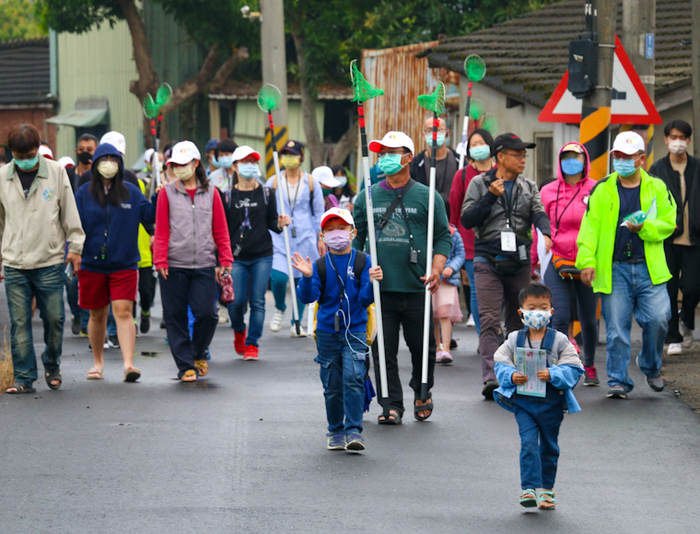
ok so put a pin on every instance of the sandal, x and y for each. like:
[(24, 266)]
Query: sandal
[(189, 376), (391, 418), (202, 367), (95, 373), (19, 388), (54, 376), (528, 498), (427, 407), (132, 374), (547, 497)]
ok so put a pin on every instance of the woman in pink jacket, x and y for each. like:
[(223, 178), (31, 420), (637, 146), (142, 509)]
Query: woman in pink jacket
[(565, 201)]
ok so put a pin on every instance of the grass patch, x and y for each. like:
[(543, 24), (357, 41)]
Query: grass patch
[(7, 377)]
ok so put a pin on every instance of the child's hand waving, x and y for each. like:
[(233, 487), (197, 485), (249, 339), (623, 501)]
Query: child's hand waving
[(376, 273), (305, 267)]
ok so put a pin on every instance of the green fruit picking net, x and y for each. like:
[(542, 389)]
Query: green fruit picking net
[(362, 89)]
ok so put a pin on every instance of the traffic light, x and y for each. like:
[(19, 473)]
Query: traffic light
[(583, 67)]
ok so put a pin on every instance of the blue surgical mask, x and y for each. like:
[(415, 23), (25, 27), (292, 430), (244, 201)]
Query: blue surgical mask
[(391, 164), (535, 319), (439, 142), (27, 164), (343, 180), (247, 171), (624, 167), (480, 153), (224, 162), (571, 166), (215, 162)]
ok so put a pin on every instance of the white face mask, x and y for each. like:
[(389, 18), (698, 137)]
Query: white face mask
[(678, 146), (108, 169), (183, 173)]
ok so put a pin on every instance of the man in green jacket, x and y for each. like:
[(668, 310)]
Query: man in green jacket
[(624, 261)]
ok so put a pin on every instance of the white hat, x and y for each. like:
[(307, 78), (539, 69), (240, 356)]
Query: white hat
[(337, 213), (325, 176), (393, 140), (148, 155), (116, 140), (628, 143), (45, 151), (66, 161), (243, 151), (461, 149), (184, 152)]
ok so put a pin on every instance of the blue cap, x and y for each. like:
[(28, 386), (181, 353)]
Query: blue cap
[(211, 145)]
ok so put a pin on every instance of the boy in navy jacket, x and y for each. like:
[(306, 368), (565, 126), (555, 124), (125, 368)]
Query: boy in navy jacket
[(539, 418), (343, 289)]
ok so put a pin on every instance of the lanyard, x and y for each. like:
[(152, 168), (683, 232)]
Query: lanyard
[(292, 204), (341, 282), (558, 219), (509, 205)]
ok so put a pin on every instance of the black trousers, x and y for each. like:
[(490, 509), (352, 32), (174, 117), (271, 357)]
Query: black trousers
[(147, 288), (403, 309), (684, 264), (196, 287)]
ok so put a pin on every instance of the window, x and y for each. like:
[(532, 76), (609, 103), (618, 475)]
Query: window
[(544, 155)]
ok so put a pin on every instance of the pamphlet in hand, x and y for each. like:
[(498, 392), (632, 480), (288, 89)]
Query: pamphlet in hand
[(638, 217), (528, 362)]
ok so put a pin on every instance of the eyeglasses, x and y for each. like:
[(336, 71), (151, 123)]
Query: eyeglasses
[(430, 130), (516, 155)]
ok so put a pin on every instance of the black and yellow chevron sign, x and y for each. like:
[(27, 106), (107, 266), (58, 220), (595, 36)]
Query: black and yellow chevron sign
[(281, 136), (595, 123)]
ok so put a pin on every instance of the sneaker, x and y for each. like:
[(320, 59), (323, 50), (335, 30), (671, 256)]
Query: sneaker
[(251, 353), (75, 326), (162, 325), (591, 377), (617, 391), (239, 341), (145, 322), (453, 344), (446, 358), (112, 342), (656, 383), (336, 442), (470, 321), (489, 387), (223, 315), (105, 346), (354, 442), (575, 344), (687, 335), (83, 333), (293, 332), (674, 348), (276, 323)]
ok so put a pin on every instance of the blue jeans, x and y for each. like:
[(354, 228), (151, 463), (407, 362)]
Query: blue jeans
[(343, 372), (538, 424), (564, 294), (473, 303), (633, 292), (46, 284), (279, 281), (251, 275)]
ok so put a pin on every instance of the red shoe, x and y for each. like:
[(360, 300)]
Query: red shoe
[(239, 341), (251, 352)]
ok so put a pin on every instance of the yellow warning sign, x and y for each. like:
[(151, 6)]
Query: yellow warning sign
[(282, 137)]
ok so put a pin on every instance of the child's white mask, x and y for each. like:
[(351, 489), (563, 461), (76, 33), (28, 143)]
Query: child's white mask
[(536, 319)]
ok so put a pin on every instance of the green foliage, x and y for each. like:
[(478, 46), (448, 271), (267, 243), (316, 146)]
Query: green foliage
[(78, 16), (18, 20)]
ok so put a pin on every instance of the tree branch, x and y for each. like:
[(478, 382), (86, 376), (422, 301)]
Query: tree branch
[(239, 55), (148, 78), (195, 84)]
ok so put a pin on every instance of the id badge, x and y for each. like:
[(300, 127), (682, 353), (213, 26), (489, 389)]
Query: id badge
[(413, 256), (508, 242), (294, 231)]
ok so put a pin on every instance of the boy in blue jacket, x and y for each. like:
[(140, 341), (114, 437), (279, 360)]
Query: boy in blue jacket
[(538, 418), (341, 282)]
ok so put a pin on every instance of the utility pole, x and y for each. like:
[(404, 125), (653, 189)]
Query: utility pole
[(274, 71), (696, 76), (638, 39), (595, 112)]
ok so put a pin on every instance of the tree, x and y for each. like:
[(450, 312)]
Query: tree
[(216, 24), (18, 20)]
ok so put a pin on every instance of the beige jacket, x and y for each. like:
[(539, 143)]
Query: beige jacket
[(34, 231)]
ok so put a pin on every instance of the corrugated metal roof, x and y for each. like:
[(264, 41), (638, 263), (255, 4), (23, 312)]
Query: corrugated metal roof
[(239, 90), (25, 72), (526, 57)]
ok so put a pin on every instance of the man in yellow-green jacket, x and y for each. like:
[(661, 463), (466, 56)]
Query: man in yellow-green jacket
[(624, 261)]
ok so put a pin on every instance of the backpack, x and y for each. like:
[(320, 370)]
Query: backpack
[(357, 267), (547, 342)]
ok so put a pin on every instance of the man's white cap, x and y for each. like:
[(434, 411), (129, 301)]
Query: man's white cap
[(66, 161), (45, 151), (325, 176), (183, 153), (243, 151), (393, 140), (337, 213), (628, 143), (148, 155), (116, 140)]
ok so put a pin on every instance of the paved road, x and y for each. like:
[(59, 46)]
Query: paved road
[(244, 451)]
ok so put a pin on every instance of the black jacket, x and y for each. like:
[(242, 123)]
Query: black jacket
[(662, 169), (420, 172)]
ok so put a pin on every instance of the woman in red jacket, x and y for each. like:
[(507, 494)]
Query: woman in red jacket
[(479, 152)]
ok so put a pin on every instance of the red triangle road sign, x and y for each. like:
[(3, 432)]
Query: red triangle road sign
[(630, 103)]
